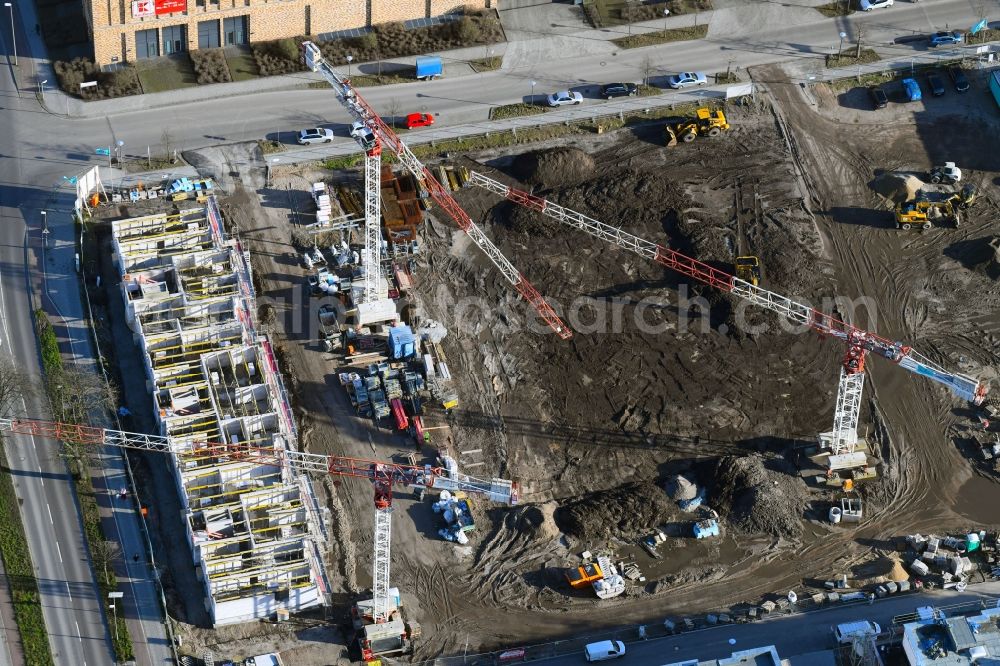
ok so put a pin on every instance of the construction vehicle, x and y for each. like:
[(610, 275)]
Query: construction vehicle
[(748, 269), (949, 173), (387, 139), (379, 622), (601, 575), (843, 439), (932, 207), (705, 123)]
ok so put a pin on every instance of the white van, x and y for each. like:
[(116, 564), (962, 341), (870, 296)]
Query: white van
[(604, 650), (847, 632)]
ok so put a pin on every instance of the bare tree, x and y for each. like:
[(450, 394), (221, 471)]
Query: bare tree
[(392, 106), (167, 141), (647, 69), (104, 554), (15, 385), (75, 393), (861, 35)]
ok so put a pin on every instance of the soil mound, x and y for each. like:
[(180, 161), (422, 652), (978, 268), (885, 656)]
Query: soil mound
[(756, 499), (897, 187), (681, 488), (554, 168), (625, 510)]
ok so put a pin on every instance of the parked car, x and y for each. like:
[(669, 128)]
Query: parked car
[(936, 84), (418, 120), (958, 78), (603, 650), (912, 90), (619, 90), (686, 80), (563, 98), (879, 99), (307, 137), (868, 5), (945, 38), (364, 136)]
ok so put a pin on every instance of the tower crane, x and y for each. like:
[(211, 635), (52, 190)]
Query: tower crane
[(364, 114), (842, 440), (385, 631)]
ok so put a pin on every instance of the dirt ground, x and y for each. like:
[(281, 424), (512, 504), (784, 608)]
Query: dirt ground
[(661, 378)]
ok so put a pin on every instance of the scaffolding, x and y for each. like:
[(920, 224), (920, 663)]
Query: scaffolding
[(254, 527)]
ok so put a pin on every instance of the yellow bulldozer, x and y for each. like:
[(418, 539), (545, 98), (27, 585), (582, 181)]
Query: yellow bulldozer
[(705, 123), (930, 208)]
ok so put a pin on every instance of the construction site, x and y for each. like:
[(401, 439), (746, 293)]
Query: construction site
[(684, 369)]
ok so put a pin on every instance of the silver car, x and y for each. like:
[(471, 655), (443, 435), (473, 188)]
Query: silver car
[(563, 98), (686, 80), (307, 137)]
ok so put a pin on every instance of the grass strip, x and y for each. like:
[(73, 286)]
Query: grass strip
[(518, 110), (90, 512), (835, 9), (662, 37), (850, 57), (20, 573), (526, 135)]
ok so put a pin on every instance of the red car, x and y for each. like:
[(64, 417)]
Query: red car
[(419, 120)]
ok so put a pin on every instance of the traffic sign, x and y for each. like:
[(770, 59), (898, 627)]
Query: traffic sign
[(102, 151), (979, 26)]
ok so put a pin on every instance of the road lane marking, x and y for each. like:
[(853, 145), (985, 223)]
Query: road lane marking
[(68, 593), (59, 551), (78, 634), (50, 513)]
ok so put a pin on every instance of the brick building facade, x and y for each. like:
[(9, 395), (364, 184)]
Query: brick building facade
[(128, 30)]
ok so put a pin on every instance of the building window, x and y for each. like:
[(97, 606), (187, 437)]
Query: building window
[(146, 44), (174, 39), (208, 34), (236, 29)]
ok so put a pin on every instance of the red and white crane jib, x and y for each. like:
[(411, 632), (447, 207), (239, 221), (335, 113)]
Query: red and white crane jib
[(359, 108), (859, 341)]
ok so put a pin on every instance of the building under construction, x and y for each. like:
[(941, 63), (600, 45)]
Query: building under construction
[(255, 529)]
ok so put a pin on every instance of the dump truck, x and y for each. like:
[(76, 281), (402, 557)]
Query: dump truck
[(705, 123)]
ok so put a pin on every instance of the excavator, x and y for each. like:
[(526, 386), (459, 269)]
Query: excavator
[(933, 207), (705, 123)]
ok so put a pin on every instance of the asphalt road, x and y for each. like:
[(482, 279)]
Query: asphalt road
[(467, 99), (32, 170), (792, 635)]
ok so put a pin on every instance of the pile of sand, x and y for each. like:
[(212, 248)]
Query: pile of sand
[(553, 168), (538, 520), (681, 488), (757, 499), (623, 511), (897, 187)]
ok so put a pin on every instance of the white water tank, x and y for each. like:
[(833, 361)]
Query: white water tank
[(835, 514)]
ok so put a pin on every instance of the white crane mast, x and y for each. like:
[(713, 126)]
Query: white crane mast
[(843, 438), (373, 232), (362, 112)]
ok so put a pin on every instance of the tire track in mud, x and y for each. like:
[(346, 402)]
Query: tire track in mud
[(914, 419)]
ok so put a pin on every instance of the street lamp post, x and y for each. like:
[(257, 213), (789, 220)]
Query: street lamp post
[(13, 37), (531, 100), (118, 153), (349, 59), (115, 595), (41, 87), (45, 228), (840, 49), (267, 179), (666, 13)]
